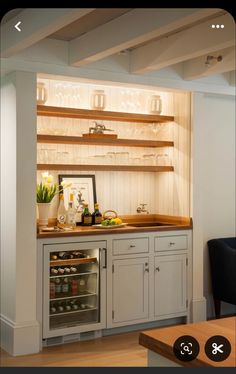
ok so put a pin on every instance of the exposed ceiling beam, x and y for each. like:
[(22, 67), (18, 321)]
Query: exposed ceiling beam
[(197, 68), (184, 45), (133, 28), (36, 24)]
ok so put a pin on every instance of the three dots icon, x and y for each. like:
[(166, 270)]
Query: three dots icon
[(217, 26)]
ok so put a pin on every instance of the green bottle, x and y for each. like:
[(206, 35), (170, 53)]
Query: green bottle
[(86, 216), (97, 215)]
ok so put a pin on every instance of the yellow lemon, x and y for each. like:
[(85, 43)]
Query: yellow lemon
[(118, 221)]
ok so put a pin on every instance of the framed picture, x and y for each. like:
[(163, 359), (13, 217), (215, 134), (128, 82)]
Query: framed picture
[(83, 188)]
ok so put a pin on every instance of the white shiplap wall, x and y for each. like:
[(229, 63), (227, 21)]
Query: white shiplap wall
[(164, 193)]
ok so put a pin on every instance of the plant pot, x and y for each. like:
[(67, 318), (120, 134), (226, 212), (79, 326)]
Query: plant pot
[(43, 211)]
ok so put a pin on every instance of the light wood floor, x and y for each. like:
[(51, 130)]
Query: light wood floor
[(117, 350)]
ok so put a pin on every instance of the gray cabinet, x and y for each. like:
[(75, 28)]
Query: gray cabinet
[(170, 284), (130, 289)]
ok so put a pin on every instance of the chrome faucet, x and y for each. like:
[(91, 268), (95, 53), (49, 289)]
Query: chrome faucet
[(141, 209), (98, 129)]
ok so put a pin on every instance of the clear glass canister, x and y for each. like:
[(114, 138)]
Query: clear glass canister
[(42, 95), (155, 104), (98, 100)]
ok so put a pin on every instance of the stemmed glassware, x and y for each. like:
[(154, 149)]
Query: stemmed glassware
[(67, 95)]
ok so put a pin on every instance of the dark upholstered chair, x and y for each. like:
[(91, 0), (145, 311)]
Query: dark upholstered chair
[(222, 253)]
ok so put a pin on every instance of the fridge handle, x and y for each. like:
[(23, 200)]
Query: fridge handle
[(104, 258)]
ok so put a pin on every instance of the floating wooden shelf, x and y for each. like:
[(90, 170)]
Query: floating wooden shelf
[(53, 111), (73, 261), (105, 167), (59, 139)]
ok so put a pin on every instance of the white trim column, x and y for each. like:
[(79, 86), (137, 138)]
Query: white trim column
[(19, 327), (198, 307)]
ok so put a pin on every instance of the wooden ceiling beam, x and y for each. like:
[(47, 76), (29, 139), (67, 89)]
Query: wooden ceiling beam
[(36, 24), (134, 27), (187, 44), (197, 68)]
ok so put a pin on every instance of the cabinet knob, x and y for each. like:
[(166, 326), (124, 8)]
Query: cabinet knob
[(132, 246), (157, 268), (147, 270), (172, 243)]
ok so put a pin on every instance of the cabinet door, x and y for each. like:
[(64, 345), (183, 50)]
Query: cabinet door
[(130, 289), (170, 284)]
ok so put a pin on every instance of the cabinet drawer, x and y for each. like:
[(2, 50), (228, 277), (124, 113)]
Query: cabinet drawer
[(127, 246), (170, 243)]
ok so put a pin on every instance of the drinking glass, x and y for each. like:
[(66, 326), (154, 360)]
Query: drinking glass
[(111, 158), (75, 96), (122, 158), (59, 94), (51, 155), (149, 159)]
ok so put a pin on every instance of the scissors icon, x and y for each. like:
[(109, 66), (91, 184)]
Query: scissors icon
[(217, 348)]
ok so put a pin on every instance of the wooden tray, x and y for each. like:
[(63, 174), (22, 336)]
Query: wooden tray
[(100, 136)]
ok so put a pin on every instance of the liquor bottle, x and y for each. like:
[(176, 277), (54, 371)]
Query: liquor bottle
[(61, 271), (78, 215), (54, 271), (74, 305), (96, 215), (53, 308), (57, 287), (86, 216), (82, 286), (53, 257), (52, 290), (62, 255), (65, 287), (74, 287), (67, 270), (70, 217), (61, 212), (65, 255), (60, 307), (78, 254), (73, 269), (68, 306)]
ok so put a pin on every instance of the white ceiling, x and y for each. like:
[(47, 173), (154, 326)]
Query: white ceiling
[(154, 39)]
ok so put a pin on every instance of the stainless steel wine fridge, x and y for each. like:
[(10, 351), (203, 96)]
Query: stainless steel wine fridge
[(74, 288)]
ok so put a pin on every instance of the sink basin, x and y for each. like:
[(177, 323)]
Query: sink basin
[(149, 224)]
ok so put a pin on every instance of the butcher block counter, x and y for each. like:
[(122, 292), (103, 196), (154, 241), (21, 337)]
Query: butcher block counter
[(159, 343), (135, 224)]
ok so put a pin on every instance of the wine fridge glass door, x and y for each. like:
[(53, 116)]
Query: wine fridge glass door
[(73, 281)]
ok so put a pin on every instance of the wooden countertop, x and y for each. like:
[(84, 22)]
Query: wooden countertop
[(172, 223), (161, 340)]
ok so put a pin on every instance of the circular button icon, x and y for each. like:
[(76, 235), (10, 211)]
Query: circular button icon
[(217, 348), (186, 348)]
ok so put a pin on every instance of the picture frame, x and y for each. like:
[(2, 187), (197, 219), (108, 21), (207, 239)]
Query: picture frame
[(83, 188)]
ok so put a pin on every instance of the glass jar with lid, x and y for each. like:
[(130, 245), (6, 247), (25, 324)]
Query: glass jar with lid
[(98, 100), (42, 95), (155, 104)]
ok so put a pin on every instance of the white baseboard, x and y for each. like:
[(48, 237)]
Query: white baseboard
[(19, 338), (198, 310)]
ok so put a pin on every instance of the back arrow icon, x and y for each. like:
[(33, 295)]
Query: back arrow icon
[(17, 26)]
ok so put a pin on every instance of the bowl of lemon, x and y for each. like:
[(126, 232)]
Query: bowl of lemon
[(111, 221)]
